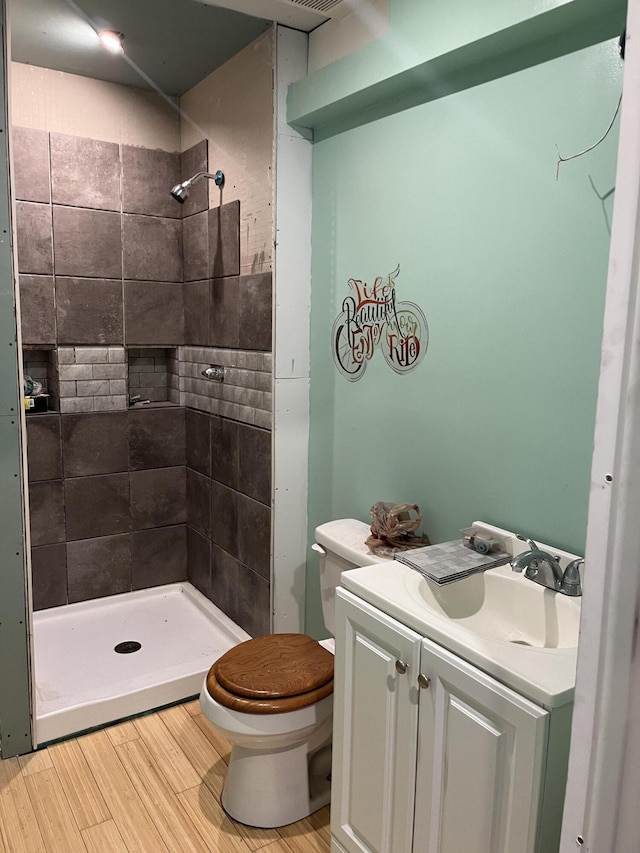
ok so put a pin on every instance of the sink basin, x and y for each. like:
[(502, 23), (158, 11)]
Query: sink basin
[(503, 606), (512, 628)]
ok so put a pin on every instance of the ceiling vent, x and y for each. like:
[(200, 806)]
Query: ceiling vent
[(323, 7)]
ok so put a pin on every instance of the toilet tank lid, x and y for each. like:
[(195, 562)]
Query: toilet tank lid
[(346, 538)]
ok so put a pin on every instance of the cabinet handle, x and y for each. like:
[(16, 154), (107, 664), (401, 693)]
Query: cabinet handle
[(423, 681), (401, 667)]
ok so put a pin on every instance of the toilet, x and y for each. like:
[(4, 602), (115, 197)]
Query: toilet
[(272, 698)]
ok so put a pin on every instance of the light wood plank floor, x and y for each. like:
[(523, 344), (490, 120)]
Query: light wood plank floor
[(150, 785)]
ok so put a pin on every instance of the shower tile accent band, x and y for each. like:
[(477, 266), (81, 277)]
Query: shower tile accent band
[(244, 395)]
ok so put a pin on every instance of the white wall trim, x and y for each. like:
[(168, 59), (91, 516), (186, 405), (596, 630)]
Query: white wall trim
[(603, 782), (291, 299)]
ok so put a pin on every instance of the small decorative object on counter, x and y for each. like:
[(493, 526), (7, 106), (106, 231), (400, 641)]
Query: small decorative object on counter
[(481, 540), (393, 528)]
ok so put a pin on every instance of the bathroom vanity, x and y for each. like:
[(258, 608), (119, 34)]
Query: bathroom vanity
[(453, 713)]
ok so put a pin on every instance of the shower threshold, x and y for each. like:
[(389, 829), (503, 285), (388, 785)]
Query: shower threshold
[(82, 682)]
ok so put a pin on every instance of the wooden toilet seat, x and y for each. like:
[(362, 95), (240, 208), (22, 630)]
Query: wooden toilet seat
[(272, 674)]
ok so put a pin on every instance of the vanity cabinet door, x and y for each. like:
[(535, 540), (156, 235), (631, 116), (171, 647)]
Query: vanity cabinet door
[(375, 729), (481, 751)]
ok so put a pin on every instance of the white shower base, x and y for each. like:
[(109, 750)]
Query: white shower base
[(81, 682)]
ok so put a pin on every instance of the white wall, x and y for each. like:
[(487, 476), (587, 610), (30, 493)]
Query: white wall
[(366, 22), (81, 106), (233, 108)]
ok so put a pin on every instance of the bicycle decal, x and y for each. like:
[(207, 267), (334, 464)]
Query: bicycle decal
[(371, 318)]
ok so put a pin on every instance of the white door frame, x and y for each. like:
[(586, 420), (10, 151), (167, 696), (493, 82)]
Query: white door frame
[(601, 807)]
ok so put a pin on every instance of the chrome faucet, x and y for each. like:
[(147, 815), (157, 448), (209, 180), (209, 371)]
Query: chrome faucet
[(543, 568)]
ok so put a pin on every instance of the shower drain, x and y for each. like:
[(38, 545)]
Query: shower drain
[(127, 647)]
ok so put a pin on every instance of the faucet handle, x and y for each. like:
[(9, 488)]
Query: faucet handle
[(571, 578)]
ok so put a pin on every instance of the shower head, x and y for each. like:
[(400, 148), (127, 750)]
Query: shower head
[(181, 191)]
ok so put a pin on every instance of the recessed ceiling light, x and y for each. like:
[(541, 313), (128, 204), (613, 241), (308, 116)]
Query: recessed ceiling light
[(112, 40)]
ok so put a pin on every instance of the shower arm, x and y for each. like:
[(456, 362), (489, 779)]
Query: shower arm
[(217, 178), (181, 191)]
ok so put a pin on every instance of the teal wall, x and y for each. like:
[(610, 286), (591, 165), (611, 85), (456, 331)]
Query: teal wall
[(15, 719), (509, 266)]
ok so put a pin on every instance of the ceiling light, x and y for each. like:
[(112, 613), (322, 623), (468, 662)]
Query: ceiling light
[(112, 40)]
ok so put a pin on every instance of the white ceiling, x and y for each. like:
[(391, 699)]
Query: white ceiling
[(169, 44)]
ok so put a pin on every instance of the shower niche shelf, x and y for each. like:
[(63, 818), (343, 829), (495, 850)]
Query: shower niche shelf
[(153, 375)]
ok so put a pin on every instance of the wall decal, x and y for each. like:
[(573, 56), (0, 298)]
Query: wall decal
[(371, 318)]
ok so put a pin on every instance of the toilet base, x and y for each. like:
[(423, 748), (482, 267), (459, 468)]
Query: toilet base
[(274, 788)]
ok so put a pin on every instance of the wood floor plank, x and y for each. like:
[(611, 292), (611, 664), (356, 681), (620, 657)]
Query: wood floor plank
[(254, 837), (20, 831), (303, 838), (193, 707), (219, 742), (85, 800), (35, 762), (174, 764), (160, 801), (321, 822), (205, 759), (279, 846), (53, 813), (208, 816), (136, 827), (103, 838), (114, 790), (122, 732)]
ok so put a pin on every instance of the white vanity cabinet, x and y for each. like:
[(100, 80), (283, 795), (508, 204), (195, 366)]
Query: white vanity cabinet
[(430, 754)]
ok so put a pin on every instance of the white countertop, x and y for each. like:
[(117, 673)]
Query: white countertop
[(544, 675)]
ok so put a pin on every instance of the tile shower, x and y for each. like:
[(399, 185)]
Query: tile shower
[(124, 293)]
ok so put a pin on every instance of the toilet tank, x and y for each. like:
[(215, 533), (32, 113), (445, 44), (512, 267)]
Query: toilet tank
[(341, 547)]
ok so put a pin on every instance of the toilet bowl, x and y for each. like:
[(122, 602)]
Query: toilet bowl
[(272, 698)]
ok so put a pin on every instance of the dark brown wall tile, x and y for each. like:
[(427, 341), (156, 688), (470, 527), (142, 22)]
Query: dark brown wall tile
[(97, 506), (224, 517), (46, 512), (254, 535), (254, 310), (193, 160), (37, 309), (157, 438), (85, 173), (49, 576), (223, 312), (44, 447), (199, 502), (224, 451), (158, 556), (158, 497), (254, 463), (195, 246), (30, 151), (254, 602), (99, 567), (199, 441), (224, 581), (196, 313), (95, 444), (89, 311), (34, 238), (153, 313), (147, 178), (152, 248), (87, 243), (198, 561), (224, 240)]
